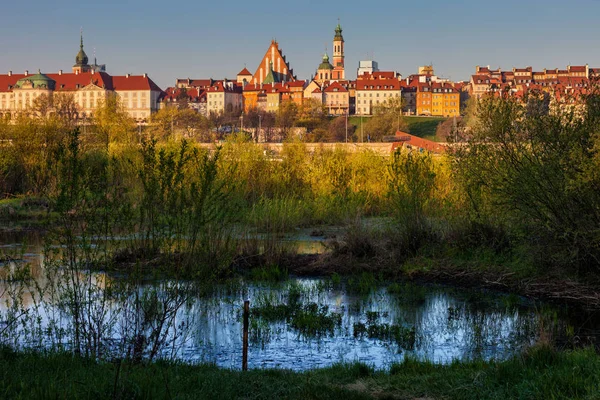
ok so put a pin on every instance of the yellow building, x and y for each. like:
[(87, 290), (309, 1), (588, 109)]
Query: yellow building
[(438, 99)]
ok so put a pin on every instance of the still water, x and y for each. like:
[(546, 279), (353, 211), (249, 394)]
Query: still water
[(305, 323)]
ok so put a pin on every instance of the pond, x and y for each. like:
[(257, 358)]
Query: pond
[(306, 323)]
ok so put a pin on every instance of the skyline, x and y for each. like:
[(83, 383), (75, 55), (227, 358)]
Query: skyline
[(205, 41)]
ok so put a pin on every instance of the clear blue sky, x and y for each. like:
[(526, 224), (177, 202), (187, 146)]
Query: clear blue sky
[(200, 39)]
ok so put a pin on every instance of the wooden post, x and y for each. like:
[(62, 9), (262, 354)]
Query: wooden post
[(245, 349)]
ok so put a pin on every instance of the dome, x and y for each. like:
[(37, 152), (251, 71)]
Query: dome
[(325, 64), (37, 81), (81, 58)]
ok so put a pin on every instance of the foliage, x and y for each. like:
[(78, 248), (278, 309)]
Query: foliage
[(540, 374), (386, 120), (537, 171)]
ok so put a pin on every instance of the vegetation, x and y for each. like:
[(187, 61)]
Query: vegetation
[(519, 198), (540, 373)]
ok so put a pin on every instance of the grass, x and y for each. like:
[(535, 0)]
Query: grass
[(26, 211), (424, 127), (540, 373)]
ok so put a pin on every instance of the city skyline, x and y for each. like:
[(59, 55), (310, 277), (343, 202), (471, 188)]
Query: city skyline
[(212, 41)]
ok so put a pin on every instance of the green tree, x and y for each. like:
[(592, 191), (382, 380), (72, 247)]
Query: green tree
[(286, 117), (386, 120), (113, 123), (537, 171)]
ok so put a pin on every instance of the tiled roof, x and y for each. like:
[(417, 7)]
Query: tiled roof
[(245, 72), (378, 84), (71, 81), (336, 87), (406, 140)]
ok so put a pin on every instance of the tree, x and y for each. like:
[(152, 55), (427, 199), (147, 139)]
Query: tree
[(182, 99), (286, 117), (539, 173), (312, 114), (170, 121), (337, 130), (58, 106), (386, 120), (113, 122)]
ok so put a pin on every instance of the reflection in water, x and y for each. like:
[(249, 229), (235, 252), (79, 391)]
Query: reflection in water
[(383, 327)]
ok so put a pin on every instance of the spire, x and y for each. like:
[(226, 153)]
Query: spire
[(338, 32), (81, 60)]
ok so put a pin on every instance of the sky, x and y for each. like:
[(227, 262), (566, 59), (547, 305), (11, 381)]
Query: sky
[(201, 39)]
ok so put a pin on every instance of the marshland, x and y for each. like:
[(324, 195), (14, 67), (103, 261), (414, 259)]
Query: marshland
[(126, 256)]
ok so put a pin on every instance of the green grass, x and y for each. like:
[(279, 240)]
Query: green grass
[(541, 373), (424, 127)]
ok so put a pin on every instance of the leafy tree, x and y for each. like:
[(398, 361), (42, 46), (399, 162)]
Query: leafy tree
[(386, 120), (312, 114), (286, 117), (112, 121), (538, 172), (337, 130), (182, 99)]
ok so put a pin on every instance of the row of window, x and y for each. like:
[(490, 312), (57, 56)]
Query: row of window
[(397, 94)]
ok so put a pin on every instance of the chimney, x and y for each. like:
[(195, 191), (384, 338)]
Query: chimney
[(127, 75), (9, 73), (60, 71), (145, 75), (76, 72), (26, 72), (92, 71)]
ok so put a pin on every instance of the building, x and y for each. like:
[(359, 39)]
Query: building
[(520, 80), (338, 54), (195, 98), (439, 99), (367, 67), (376, 89), (324, 71), (224, 96), (89, 86), (273, 62), (337, 99)]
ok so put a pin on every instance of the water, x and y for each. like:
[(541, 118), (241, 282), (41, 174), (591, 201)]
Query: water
[(379, 326)]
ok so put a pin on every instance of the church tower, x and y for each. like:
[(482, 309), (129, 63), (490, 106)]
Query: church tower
[(81, 60), (338, 54)]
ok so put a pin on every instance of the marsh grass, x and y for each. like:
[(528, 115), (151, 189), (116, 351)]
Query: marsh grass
[(541, 373)]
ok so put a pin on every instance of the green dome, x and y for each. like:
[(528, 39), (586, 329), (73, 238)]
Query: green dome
[(82, 58), (325, 64), (37, 81)]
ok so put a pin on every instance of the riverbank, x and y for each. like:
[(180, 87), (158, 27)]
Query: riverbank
[(540, 373), (582, 294)]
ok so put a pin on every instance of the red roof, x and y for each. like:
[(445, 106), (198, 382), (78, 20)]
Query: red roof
[(577, 68), (411, 141), (194, 94), (72, 81), (378, 84), (245, 72), (336, 87)]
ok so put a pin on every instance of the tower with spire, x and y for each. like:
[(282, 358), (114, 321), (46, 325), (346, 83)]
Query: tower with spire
[(81, 60), (338, 54)]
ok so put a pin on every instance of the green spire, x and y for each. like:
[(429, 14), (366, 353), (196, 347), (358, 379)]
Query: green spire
[(338, 31), (271, 77)]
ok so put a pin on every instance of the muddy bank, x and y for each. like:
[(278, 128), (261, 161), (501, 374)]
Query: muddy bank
[(577, 294)]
